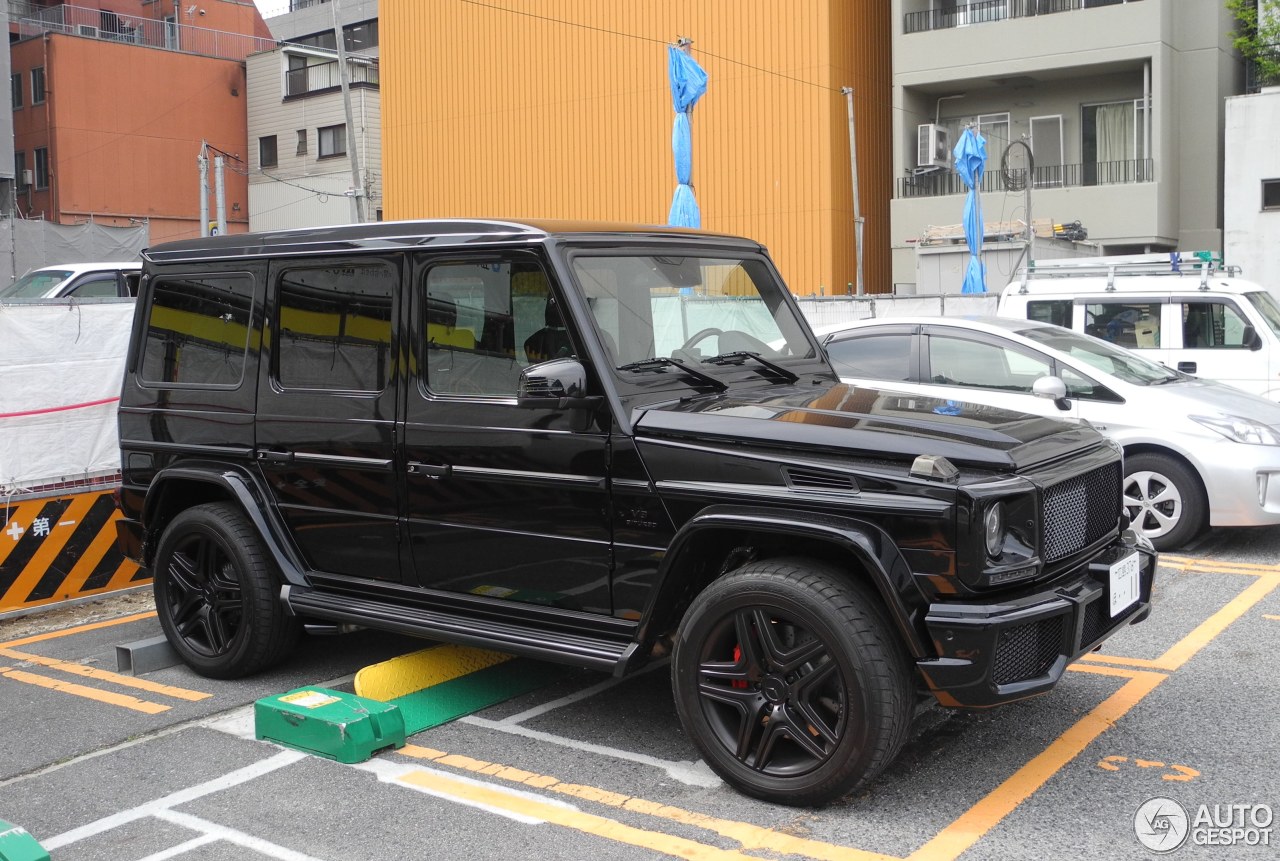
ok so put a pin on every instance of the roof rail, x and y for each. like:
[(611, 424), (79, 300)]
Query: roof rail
[(1202, 263)]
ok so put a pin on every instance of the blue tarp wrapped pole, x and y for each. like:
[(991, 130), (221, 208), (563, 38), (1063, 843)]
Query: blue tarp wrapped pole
[(971, 157), (688, 83)]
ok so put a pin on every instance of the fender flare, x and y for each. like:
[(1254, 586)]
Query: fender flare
[(243, 487), (870, 545)]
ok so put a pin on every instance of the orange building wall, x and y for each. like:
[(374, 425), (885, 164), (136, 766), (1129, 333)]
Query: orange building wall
[(126, 126), (565, 112)]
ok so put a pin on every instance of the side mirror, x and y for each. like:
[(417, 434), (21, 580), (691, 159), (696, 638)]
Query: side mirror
[(1249, 338), (559, 384), (1054, 389)]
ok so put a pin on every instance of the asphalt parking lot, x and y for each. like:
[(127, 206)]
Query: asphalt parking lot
[(98, 765)]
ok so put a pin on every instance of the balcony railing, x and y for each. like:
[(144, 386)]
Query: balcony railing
[(30, 20), (324, 76), (1050, 176), (987, 11), (1256, 77)]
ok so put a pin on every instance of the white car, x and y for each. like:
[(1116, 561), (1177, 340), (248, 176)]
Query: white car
[(1197, 453), (81, 280)]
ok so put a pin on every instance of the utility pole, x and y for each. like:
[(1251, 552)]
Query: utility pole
[(357, 187), (220, 195), (202, 161), (857, 207)]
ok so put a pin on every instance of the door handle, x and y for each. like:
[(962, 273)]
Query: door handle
[(275, 456), (1187, 367), (430, 470)]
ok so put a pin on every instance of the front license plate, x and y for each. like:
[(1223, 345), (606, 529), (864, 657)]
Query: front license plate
[(1124, 584)]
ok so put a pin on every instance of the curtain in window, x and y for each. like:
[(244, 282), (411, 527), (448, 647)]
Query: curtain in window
[(1114, 129)]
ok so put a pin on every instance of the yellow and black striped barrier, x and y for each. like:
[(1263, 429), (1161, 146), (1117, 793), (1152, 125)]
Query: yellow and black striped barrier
[(60, 547)]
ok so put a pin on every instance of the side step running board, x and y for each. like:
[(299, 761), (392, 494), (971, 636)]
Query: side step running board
[(609, 656)]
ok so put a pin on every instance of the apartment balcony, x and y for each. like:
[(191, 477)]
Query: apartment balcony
[(323, 77), (945, 182), (948, 15), (28, 20)]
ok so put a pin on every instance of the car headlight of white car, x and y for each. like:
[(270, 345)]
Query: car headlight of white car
[(1239, 429)]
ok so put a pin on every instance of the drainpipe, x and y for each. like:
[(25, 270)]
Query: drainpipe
[(52, 190)]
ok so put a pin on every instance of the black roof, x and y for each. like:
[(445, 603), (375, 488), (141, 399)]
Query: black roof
[(387, 235)]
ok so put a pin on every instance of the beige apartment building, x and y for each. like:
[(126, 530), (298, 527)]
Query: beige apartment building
[(1120, 101)]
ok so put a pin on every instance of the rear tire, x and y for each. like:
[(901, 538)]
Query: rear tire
[(1164, 500), (791, 682), (217, 594)]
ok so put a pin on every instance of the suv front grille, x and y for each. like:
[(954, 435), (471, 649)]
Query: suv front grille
[(1080, 510), (1027, 651)]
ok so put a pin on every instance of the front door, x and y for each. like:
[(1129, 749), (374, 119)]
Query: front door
[(1214, 344), (502, 501), (327, 411)]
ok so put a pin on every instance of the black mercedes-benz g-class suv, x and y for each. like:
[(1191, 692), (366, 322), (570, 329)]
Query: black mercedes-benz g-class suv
[(601, 445)]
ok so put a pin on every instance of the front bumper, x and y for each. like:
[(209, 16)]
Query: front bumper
[(1002, 651), (1242, 482)]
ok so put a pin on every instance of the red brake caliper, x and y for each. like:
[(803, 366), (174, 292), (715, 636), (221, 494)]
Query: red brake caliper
[(737, 656)]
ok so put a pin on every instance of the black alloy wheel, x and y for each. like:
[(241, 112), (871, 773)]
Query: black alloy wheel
[(791, 682), (216, 594)]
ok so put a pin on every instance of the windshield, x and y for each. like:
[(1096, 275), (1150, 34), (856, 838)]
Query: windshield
[(36, 285), (1105, 357), (690, 309), (1267, 307)]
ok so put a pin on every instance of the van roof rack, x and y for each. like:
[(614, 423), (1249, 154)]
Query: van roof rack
[(1202, 263)]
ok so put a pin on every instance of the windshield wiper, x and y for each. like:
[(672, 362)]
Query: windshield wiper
[(659, 363), (739, 356)]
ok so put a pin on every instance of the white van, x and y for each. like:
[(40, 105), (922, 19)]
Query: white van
[(1185, 312)]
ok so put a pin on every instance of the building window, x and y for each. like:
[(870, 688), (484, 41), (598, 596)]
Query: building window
[(302, 141), (333, 141), (1271, 194), (42, 167), (20, 170), (15, 90), (37, 85), (267, 152)]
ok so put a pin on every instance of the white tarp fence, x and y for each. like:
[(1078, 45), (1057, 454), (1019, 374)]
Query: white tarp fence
[(828, 310), (27, 245), (61, 368)]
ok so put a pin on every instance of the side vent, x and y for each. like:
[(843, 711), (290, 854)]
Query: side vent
[(816, 479)]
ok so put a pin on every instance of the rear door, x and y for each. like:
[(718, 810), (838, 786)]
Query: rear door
[(327, 411)]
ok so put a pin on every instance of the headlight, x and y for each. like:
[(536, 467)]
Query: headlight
[(994, 522), (1241, 430)]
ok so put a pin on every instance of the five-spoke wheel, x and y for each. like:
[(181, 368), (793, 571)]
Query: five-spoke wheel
[(1163, 499)]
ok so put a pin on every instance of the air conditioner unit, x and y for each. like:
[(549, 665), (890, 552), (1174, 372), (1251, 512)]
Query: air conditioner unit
[(27, 177), (933, 147), (88, 30)]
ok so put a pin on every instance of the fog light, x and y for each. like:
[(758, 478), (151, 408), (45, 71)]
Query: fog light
[(1263, 480), (994, 521)]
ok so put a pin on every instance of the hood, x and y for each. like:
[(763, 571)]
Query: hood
[(1205, 397), (837, 417)]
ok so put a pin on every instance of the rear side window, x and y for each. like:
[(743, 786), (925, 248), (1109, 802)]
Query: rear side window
[(333, 327), (875, 357), (197, 331), (1055, 311)]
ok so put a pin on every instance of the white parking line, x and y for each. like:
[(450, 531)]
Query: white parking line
[(690, 773), (230, 835), (182, 796)]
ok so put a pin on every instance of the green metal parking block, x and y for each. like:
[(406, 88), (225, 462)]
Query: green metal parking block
[(16, 844), (333, 724)]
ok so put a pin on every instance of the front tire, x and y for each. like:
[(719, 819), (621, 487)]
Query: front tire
[(790, 681), (216, 594), (1164, 500)]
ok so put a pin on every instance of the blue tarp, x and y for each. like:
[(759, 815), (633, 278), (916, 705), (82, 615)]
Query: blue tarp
[(688, 83), (971, 157)]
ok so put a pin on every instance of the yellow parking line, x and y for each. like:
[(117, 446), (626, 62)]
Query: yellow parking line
[(1186, 648), (974, 823), (92, 626), (752, 837), (81, 691), (106, 676), (1220, 566), (587, 823)]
